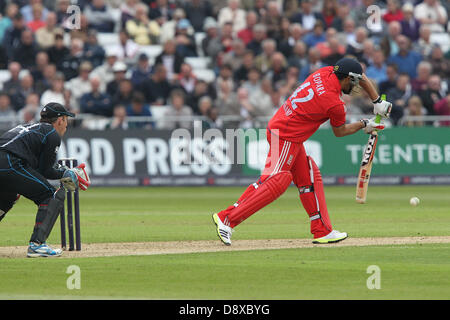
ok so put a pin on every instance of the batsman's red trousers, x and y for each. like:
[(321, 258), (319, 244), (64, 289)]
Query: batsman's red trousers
[(284, 157)]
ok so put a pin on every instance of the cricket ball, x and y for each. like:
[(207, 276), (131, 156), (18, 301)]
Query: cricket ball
[(414, 201)]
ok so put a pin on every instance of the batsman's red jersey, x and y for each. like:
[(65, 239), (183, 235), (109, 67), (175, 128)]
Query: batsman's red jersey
[(314, 102)]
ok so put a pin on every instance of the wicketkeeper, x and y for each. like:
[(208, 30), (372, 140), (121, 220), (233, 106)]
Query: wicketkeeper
[(317, 100), (27, 159)]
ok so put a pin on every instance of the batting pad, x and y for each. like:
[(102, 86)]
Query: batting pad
[(266, 192), (313, 200), (50, 212)]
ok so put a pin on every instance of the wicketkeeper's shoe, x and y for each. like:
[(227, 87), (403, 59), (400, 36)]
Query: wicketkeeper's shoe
[(42, 250), (223, 231), (333, 236)]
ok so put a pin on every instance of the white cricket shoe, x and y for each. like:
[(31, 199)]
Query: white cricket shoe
[(223, 231), (42, 250), (332, 237)]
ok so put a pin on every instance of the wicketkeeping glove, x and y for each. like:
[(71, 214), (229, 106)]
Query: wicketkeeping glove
[(83, 178), (370, 125), (76, 178), (69, 180), (381, 107)]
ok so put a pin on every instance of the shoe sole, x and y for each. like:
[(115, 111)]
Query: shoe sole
[(215, 217), (43, 255), (325, 241)]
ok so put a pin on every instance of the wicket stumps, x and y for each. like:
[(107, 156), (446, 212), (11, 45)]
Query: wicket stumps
[(75, 205)]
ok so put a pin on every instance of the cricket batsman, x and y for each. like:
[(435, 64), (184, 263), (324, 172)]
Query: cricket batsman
[(317, 100), (27, 159)]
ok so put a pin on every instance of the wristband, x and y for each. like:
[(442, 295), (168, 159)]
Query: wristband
[(377, 100), (364, 122)]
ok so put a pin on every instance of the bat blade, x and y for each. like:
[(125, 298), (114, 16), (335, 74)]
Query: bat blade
[(365, 169)]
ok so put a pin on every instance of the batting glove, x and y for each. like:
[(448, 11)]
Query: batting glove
[(370, 125), (381, 107)]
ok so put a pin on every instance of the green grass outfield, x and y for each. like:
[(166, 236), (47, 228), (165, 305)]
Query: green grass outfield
[(419, 271)]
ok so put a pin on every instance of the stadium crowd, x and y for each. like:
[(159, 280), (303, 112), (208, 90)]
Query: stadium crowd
[(258, 51)]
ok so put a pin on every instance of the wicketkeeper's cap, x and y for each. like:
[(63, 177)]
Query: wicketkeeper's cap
[(55, 110), (347, 66)]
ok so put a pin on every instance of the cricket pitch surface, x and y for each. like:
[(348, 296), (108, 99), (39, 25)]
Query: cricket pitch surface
[(177, 247)]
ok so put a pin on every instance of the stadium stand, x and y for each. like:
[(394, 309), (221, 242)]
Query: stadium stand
[(4, 76), (151, 51), (223, 41)]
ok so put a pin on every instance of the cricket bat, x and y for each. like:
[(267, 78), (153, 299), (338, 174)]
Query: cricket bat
[(365, 169)]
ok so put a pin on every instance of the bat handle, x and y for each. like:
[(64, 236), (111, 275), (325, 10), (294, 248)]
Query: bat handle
[(378, 117)]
